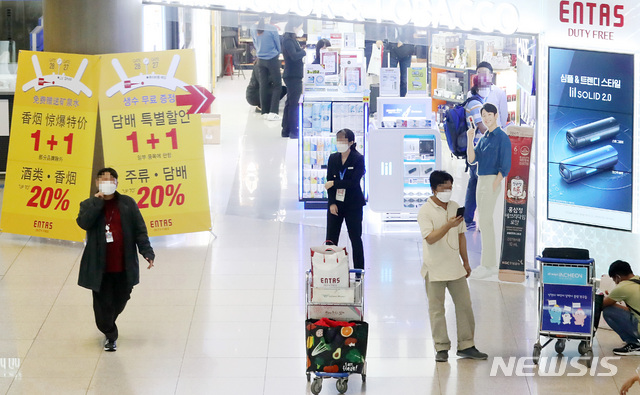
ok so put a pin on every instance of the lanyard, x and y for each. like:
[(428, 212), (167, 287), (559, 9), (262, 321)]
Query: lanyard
[(108, 221), (342, 173)]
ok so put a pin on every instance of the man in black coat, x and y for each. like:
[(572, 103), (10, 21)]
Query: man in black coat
[(109, 265)]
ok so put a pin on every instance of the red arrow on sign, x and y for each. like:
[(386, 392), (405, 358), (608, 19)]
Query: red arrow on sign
[(198, 98)]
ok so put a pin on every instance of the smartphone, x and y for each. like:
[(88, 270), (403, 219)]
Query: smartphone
[(460, 212)]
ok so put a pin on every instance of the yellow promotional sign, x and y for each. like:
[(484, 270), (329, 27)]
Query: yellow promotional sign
[(51, 144), (153, 143)]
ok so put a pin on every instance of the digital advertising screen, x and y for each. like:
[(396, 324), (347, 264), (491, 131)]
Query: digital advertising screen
[(590, 142)]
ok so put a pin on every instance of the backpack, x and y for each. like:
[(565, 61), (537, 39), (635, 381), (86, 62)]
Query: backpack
[(455, 127)]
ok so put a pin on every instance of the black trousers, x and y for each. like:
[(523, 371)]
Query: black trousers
[(110, 301), (353, 217), (270, 84), (290, 116)]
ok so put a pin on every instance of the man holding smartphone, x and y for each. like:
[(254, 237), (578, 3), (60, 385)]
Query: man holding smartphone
[(446, 266)]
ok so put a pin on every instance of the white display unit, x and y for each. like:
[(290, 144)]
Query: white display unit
[(402, 157), (323, 114)]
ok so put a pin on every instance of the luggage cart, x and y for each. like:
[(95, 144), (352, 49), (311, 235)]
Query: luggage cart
[(337, 311), (566, 296)]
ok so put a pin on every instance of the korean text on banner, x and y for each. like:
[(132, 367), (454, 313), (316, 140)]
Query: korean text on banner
[(51, 145), (153, 142), (512, 261)]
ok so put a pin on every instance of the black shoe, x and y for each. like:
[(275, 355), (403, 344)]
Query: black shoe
[(442, 356), (285, 135), (109, 345), (629, 349), (471, 353)]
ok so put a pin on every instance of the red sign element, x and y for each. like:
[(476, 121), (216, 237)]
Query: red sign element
[(198, 98)]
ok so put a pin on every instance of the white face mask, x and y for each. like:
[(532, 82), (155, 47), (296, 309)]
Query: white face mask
[(107, 187), (342, 147), (300, 33), (444, 196)]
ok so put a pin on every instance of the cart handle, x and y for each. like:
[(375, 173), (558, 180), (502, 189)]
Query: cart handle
[(561, 260), (356, 271)]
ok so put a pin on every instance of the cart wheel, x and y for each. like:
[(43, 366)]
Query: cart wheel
[(537, 350), (560, 345), (583, 347), (589, 355), (364, 377), (316, 386), (341, 385), (308, 377)]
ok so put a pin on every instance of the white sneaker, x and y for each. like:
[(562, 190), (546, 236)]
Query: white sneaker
[(265, 115), (274, 117), (483, 272)]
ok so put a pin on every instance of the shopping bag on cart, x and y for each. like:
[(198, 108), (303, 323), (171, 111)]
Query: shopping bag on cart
[(336, 347), (329, 266)]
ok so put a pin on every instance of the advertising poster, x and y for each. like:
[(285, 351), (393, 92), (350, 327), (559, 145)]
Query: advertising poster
[(512, 261), (567, 308), (51, 144), (417, 81), (590, 137), (153, 142), (389, 81)]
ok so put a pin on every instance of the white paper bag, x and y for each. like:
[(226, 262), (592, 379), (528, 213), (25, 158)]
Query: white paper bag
[(329, 267)]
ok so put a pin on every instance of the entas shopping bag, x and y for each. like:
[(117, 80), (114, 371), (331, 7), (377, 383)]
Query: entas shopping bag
[(329, 266), (336, 349)]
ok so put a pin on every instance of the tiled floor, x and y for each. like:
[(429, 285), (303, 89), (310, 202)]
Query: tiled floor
[(225, 315)]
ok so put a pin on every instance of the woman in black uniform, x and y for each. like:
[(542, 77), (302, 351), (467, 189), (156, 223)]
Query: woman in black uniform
[(344, 172)]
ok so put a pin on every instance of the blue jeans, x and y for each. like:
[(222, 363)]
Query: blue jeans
[(405, 63), (623, 322), (470, 199)]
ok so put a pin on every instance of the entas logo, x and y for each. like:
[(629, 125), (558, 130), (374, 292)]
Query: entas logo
[(591, 13), (554, 366)]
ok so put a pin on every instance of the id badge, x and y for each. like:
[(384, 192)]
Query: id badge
[(340, 193), (109, 237)]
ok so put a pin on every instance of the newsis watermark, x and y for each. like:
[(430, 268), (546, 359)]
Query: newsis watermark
[(9, 366), (553, 367)]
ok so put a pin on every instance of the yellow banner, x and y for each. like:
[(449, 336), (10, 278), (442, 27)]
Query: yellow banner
[(51, 145), (154, 144)]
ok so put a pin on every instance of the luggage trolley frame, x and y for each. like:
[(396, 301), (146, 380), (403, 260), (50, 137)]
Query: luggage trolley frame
[(567, 275), (337, 311)]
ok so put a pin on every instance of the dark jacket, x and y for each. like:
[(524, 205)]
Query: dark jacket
[(134, 233), (353, 172), (293, 54)]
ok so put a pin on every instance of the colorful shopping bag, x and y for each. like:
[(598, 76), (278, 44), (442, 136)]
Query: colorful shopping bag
[(341, 348)]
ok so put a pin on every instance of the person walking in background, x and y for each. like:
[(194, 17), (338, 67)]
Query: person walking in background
[(474, 120), (401, 55), (267, 44), (322, 43), (446, 266), (493, 156), (345, 169), (293, 73), (109, 266)]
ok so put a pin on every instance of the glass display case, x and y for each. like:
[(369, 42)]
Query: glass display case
[(322, 116)]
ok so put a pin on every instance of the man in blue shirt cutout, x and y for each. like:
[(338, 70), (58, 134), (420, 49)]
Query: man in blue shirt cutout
[(493, 156)]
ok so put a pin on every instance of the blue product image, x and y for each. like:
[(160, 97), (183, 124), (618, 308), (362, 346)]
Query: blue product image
[(593, 132), (588, 163)]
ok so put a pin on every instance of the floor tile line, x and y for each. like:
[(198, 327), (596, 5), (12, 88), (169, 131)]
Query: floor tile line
[(212, 239)]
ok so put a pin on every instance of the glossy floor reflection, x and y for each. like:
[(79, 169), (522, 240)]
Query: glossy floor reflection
[(225, 315)]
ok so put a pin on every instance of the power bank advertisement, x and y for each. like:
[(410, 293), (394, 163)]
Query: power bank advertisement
[(590, 144)]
